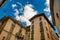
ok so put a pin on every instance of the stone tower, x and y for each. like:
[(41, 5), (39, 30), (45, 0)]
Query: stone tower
[(55, 12)]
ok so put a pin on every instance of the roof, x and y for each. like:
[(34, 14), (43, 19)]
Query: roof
[(8, 17), (14, 20), (57, 34), (42, 14)]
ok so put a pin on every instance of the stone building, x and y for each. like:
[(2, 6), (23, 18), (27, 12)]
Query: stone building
[(11, 29), (55, 12), (42, 29)]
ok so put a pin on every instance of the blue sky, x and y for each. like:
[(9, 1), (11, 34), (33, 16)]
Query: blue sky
[(7, 7), (23, 10), (16, 8)]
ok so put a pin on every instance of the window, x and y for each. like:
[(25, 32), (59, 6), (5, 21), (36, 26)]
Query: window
[(28, 34), (42, 36), (32, 25), (19, 36), (41, 23), (40, 18), (12, 28), (57, 15), (13, 25), (10, 32), (32, 34), (15, 22), (48, 35), (3, 38), (46, 29), (1, 28), (42, 30), (32, 22), (41, 27)]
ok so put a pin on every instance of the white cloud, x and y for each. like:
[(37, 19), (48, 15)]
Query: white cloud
[(22, 18), (47, 3), (47, 9), (16, 12), (14, 5), (29, 12), (50, 18), (18, 18), (21, 10)]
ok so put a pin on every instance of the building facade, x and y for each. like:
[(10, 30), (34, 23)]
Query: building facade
[(55, 12), (42, 29), (11, 29)]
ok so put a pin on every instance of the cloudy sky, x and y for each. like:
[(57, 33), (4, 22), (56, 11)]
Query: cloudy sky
[(23, 10)]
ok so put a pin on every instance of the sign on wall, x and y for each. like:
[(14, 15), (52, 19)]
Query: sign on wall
[(2, 2)]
